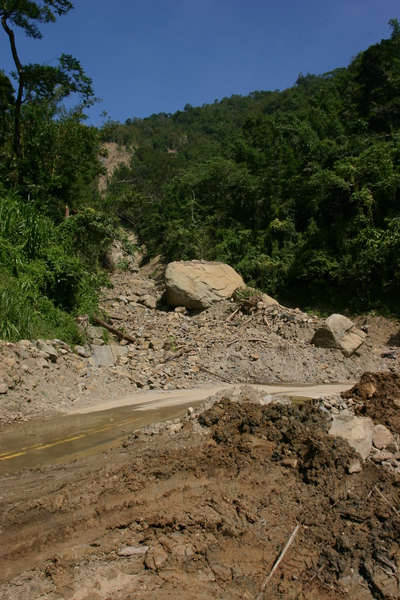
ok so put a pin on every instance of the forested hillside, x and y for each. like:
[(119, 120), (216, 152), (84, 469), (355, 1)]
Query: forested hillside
[(298, 190)]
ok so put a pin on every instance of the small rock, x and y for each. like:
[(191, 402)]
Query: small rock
[(25, 343), (156, 559), (290, 462), (381, 456), (49, 350), (148, 301), (368, 389), (81, 351), (133, 550), (42, 362), (381, 436), (268, 301), (356, 430), (3, 388), (354, 467)]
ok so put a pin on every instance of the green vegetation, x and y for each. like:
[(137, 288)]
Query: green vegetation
[(49, 265), (298, 190)]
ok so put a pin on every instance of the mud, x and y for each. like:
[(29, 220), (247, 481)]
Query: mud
[(204, 507), (378, 397)]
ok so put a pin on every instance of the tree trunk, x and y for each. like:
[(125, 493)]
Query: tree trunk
[(20, 70)]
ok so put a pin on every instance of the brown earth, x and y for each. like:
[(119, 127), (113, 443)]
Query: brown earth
[(204, 509), (236, 500), (381, 402)]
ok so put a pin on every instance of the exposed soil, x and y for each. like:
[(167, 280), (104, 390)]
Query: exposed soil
[(380, 399), (115, 156), (204, 509), (239, 499)]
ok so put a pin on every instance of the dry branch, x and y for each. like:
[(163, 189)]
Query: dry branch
[(120, 334), (215, 375), (387, 501), (179, 353), (232, 315), (276, 565)]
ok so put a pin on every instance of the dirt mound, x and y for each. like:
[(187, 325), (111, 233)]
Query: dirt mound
[(205, 509), (378, 395)]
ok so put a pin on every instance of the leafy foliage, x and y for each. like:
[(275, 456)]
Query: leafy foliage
[(298, 190), (49, 264), (48, 271)]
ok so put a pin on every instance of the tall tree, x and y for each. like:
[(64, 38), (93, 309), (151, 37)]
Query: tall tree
[(35, 81)]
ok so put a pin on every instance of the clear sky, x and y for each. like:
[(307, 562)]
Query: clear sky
[(151, 56)]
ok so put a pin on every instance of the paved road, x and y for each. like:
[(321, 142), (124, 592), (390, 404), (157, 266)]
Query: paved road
[(91, 429)]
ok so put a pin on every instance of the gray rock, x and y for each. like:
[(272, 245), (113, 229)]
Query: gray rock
[(340, 333), (356, 430), (94, 332), (81, 351), (148, 301), (354, 467), (102, 356), (133, 550), (268, 301), (118, 351), (25, 343), (275, 399), (199, 284), (50, 351), (381, 456)]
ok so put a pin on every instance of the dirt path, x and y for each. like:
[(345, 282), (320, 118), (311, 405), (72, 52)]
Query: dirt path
[(176, 397)]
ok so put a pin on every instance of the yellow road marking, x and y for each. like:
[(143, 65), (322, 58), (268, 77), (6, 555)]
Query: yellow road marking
[(91, 431), (7, 453), (12, 456), (58, 442)]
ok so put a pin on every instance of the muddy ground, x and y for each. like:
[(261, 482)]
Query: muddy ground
[(204, 507), (238, 499)]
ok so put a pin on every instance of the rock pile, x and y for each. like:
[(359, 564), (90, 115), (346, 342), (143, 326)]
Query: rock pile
[(253, 340)]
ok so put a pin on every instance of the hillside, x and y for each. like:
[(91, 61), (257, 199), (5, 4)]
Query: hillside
[(298, 190)]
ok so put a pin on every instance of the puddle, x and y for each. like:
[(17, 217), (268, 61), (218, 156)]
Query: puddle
[(299, 400)]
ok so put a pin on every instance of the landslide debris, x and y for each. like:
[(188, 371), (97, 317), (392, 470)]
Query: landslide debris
[(203, 507), (377, 396), (243, 341)]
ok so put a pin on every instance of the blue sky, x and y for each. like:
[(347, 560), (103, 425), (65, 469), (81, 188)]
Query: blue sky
[(150, 56)]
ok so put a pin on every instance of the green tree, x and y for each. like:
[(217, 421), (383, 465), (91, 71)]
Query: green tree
[(37, 82)]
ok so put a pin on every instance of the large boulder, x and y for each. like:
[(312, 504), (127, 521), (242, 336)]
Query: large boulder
[(340, 333), (199, 284)]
